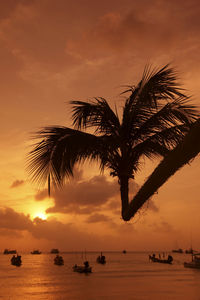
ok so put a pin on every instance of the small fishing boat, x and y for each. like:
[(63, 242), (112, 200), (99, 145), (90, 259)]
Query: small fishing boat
[(82, 269), (124, 251), (195, 263), (54, 251), (36, 252), (159, 260), (7, 251), (58, 260), (16, 260), (101, 259), (189, 251), (177, 250)]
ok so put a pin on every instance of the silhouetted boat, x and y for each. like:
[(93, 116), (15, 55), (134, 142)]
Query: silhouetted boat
[(178, 250), (55, 251), (36, 252), (82, 269), (159, 260), (195, 263), (7, 251), (189, 251), (124, 251), (58, 260), (16, 260), (101, 259)]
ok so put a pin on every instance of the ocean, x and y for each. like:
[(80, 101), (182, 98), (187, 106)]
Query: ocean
[(125, 276)]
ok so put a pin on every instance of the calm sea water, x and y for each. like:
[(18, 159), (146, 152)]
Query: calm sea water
[(125, 276)]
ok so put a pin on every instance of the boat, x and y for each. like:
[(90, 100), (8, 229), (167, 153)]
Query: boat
[(159, 260), (58, 260), (7, 251), (36, 252), (16, 260), (101, 259), (195, 263), (189, 251), (177, 250), (124, 251), (82, 269), (55, 251)]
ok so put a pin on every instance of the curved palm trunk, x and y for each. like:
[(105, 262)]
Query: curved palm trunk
[(124, 190), (182, 154)]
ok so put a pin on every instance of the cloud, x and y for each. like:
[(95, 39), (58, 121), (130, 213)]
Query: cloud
[(13, 224), (9, 219), (17, 183), (85, 196), (96, 218), (90, 196), (116, 32), (41, 195), (65, 235), (162, 227)]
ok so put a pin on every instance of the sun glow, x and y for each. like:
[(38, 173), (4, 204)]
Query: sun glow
[(40, 215)]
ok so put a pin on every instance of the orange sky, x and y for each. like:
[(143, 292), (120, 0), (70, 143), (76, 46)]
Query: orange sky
[(56, 51)]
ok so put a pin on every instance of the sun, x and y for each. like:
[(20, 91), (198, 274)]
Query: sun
[(40, 215)]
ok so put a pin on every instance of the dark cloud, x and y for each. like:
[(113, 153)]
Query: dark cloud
[(17, 183), (14, 225), (85, 196), (72, 236), (9, 219)]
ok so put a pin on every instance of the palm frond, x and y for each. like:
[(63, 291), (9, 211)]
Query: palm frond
[(177, 112), (158, 85), (95, 114), (59, 150), (155, 86), (161, 143)]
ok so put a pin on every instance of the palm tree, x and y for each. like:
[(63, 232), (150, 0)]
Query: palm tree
[(156, 116)]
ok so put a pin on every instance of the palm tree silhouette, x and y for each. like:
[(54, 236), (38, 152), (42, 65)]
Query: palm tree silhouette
[(156, 117)]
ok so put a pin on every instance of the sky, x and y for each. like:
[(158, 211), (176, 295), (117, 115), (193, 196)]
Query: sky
[(52, 52)]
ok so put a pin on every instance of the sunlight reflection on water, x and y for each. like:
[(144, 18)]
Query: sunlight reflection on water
[(129, 276)]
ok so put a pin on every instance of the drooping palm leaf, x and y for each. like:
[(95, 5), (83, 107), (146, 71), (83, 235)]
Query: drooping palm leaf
[(61, 148)]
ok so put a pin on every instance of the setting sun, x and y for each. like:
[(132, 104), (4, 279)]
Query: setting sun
[(40, 215)]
